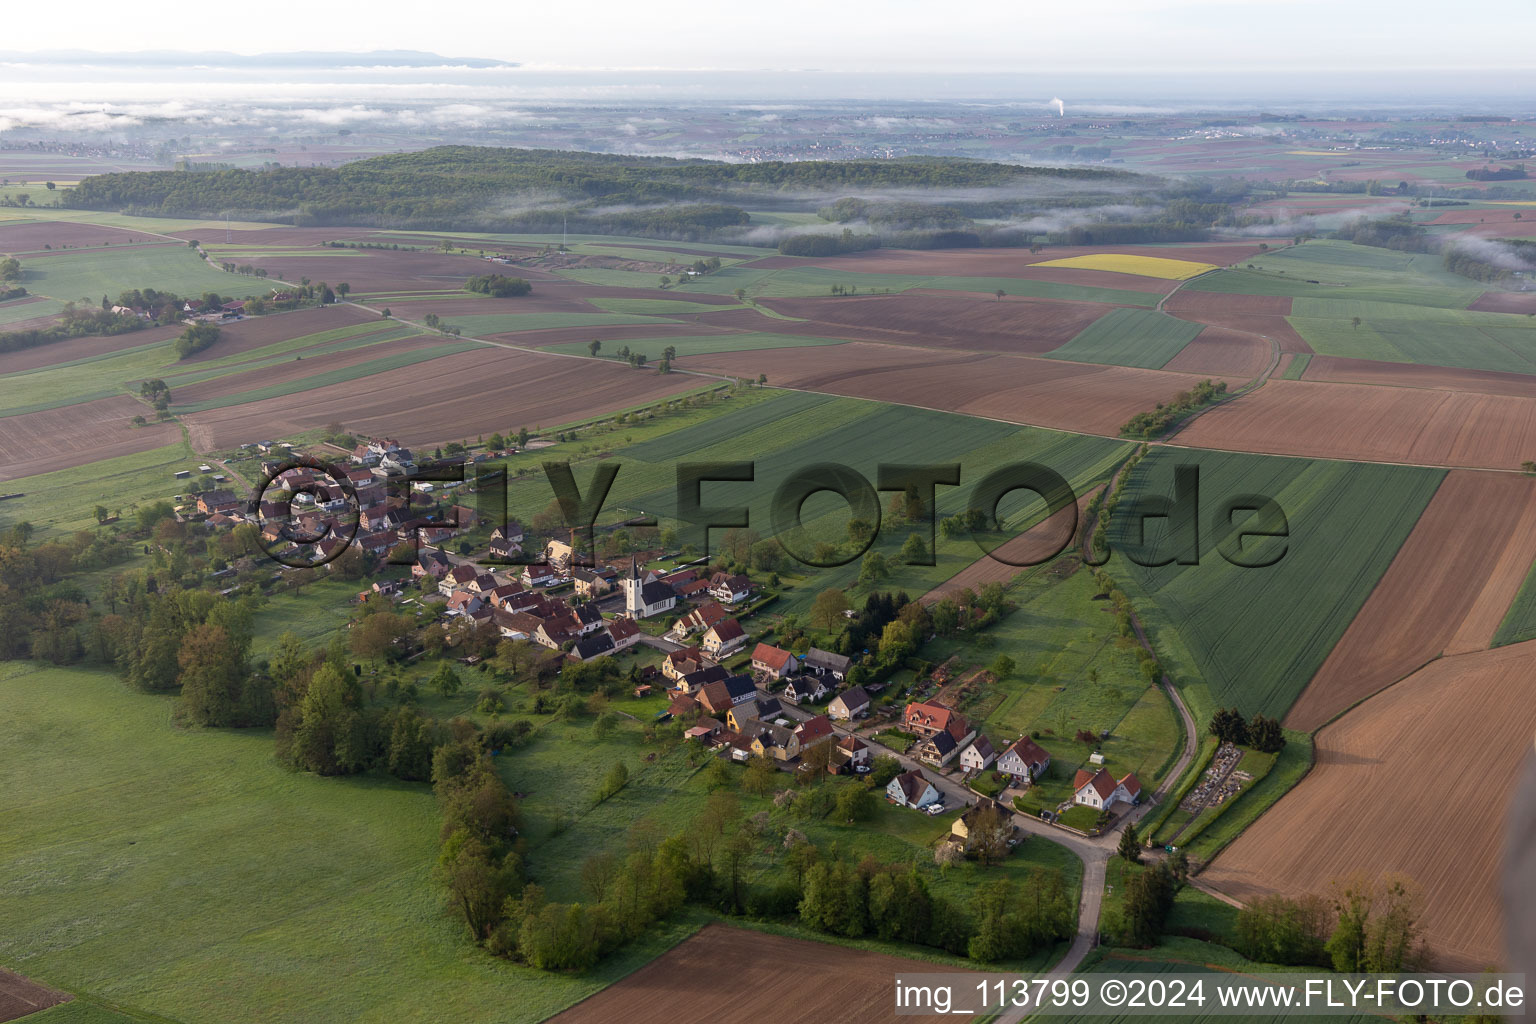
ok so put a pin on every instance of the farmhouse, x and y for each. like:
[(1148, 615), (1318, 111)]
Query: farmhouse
[(457, 577), (723, 638), (680, 663), (217, 501), (646, 596), (718, 697), (804, 688), (1099, 789), (852, 752), (591, 583), (698, 619), (1024, 759), (814, 730), (769, 740), (938, 749), (541, 575), (911, 789), (431, 562), (770, 662), (850, 704), (594, 646), (825, 663), (978, 754)]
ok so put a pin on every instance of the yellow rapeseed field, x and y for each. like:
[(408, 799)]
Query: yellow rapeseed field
[(1144, 266)]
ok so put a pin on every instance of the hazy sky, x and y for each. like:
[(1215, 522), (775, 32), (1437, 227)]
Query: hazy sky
[(853, 35)]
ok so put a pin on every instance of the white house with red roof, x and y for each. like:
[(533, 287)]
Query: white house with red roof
[(768, 660), (1101, 790)]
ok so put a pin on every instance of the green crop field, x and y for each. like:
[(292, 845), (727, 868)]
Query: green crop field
[(1341, 270), (657, 307), (185, 874), (103, 377), (1257, 635), (1417, 334), (1130, 337), (701, 346), (1297, 366), (511, 323), (14, 312), (1520, 621), (90, 274)]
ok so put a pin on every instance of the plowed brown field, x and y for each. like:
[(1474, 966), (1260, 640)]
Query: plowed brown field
[(22, 996), (40, 442), (1225, 352), (939, 320), (1414, 375), (257, 331), (1034, 545), (28, 236), (296, 369), (1445, 593), (379, 270), (1506, 302), (447, 399), (83, 348), (1259, 314), (1417, 779), (831, 983), (1043, 392), (1377, 424)]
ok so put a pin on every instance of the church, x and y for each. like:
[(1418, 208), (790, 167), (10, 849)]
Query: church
[(644, 594)]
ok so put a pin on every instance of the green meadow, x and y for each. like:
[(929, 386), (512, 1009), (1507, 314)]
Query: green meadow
[(701, 346)]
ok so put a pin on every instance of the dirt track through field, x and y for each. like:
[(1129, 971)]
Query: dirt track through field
[(1445, 593), (1417, 779), (735, 976)]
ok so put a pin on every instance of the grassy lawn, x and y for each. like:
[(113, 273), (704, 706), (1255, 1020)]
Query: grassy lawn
[(1297, 366), (1084, 819), (18, 310), (187, 875)]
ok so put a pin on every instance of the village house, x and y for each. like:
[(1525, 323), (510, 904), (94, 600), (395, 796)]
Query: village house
[(456, 578), (770, 740), (1024, 759), (431, 562), (814, 730), (462, 602), (962, 827), (719, 697), (516, 625), (850, 704), (937, 750), (559, 553), (723, 638), (825, 663), (695, 681), (540, 575), (769, 662), (978, 754), (624, 633), (483, 582), (512, 533), (729, 588), (924, 718), (217, 501), (762, 709), (804, 688), (911, 789), (1100, 789), (852, 753), (594, 583), (698, 619), (680, 663), (595, 646)]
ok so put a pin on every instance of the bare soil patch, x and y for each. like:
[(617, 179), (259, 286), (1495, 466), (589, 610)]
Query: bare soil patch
[(831, 983), (40, 442), (1220, 350), (1420, 426), (1506, 302), (1372, 802), (1083, 397), (297, 368), (82, 348), (940, 320), (1258, 314), (259, 331), (1414, 375), (1445, 592), (28, 236), (20, 996), (448, 399)]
